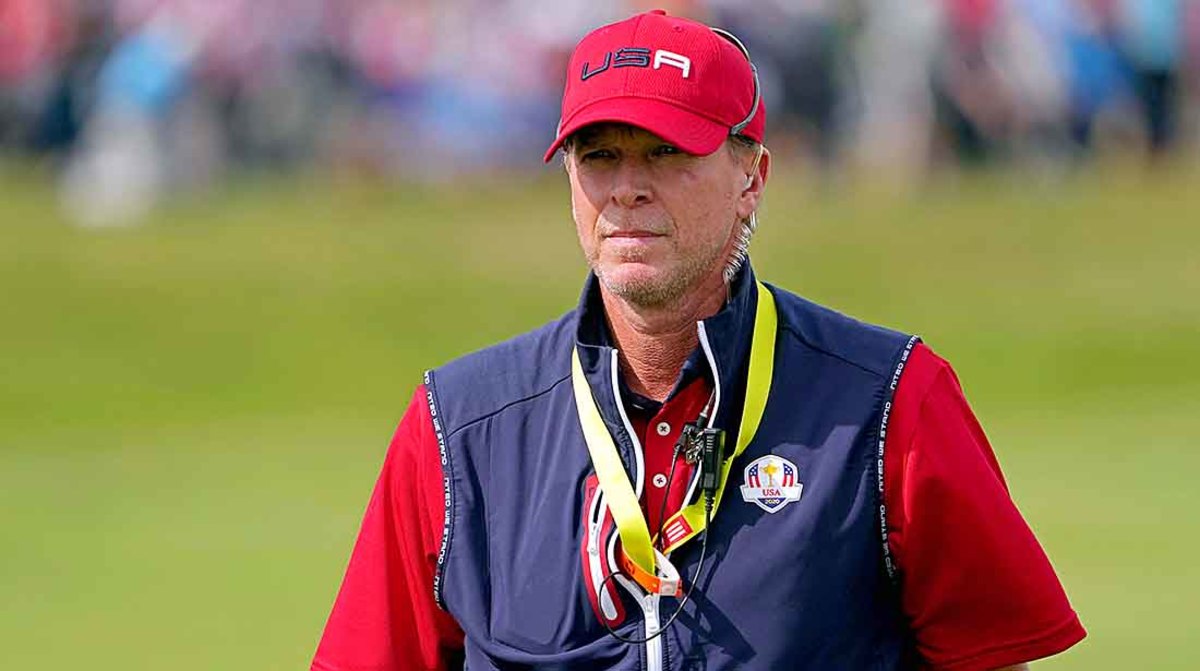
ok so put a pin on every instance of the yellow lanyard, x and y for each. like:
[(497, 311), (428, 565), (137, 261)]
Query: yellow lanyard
[(618, 491)]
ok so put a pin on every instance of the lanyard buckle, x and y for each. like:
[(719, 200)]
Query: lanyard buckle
[(666, 584)]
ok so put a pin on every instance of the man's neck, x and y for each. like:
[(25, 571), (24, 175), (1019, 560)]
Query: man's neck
[(654, 342)]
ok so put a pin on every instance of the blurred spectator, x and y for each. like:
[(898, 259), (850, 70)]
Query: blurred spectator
[(120, 164), (1032, 62), (1151, 35), (33, 36), (802, 51), (1097, 71), (975, 103), (895, 55)]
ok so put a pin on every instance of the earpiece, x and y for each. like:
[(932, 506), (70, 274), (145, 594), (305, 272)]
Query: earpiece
[(754, 168)]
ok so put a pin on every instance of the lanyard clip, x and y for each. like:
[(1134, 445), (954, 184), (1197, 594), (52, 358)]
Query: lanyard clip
[(665, 583)]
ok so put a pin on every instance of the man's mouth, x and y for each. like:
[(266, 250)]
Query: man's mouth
[(633, 234)]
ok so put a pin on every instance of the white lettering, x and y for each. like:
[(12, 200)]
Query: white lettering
[(662, 57)]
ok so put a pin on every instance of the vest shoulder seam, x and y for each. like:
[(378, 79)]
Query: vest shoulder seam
[(492, 413), (808, 343)]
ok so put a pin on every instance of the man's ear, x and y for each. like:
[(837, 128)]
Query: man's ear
[(756, 180)]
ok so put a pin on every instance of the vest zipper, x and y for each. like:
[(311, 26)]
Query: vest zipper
[(654, 654), (647, 602)]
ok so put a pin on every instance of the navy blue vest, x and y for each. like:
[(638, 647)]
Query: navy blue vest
[(802, 588)]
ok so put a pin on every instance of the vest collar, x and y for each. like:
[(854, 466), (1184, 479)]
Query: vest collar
[(727, 334)]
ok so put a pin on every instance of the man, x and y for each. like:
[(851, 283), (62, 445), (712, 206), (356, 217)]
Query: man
[(692, 469)]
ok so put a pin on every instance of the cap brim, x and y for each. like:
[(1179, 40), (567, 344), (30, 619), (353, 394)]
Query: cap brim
[(684, 129)]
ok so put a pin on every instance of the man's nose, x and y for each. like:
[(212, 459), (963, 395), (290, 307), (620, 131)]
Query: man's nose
[(632, 185)]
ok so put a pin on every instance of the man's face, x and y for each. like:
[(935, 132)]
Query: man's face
[(653, 221)]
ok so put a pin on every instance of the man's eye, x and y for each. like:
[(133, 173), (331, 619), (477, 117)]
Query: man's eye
[(666, 150), (596, 155)]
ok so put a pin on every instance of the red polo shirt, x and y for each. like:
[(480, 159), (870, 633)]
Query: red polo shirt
[(976, 588)]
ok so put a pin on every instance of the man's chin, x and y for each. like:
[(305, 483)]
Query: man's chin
[(642, 285)]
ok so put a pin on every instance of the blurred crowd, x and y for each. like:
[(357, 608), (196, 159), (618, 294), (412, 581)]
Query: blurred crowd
[(131, 99)]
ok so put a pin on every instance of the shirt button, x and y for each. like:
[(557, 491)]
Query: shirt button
[(659, 480), (663, 428)]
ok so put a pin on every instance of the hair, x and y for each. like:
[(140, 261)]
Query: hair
[(740, 145)]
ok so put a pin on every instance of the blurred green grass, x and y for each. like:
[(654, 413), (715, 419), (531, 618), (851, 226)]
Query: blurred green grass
[(192, 412)]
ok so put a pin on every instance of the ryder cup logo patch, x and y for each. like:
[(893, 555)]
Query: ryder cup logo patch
[(771, 483)]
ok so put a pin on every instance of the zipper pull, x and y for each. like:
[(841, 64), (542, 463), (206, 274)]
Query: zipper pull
[(649, 605)]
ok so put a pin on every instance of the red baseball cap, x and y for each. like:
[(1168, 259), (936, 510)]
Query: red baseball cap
[(687, 83)]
